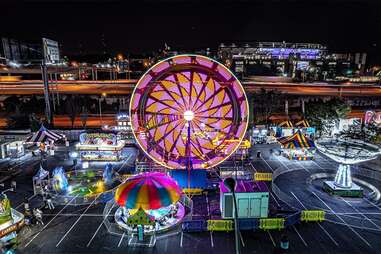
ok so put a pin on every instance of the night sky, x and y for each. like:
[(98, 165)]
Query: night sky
[(144, 26)]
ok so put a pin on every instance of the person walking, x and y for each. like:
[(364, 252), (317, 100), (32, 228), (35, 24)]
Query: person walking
[(50, 203), (13, 185), (37, 213)]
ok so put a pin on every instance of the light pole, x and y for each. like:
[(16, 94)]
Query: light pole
[(230, 185), (100, 107)]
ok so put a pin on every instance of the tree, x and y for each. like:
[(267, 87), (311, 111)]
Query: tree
[(72, 108), (265, 103), (323, 115), (84, 116), (18, 120)]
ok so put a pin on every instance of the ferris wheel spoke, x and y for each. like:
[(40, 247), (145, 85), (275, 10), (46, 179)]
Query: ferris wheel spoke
[(162, 102), (215, 107), (216, 117), (163, 137), (210, 97), (175, 141), (181, 107), (200, 149), (179, 88), (200, 93)]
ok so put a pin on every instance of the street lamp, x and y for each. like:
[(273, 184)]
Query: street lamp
[(230, 185)]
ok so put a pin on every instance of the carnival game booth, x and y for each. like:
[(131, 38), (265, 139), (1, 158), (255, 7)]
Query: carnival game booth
[(45, 139), (152, 195), (122, 128), (297, 147), (100, 147), (10, 221)]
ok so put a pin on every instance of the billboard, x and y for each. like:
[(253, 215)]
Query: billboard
[(51, 51)]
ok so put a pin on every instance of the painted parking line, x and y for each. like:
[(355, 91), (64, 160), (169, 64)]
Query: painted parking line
[(301, 164), (100, 225), (242, 241), (271, 238), (207, 205), (211, 239), (354, 231), (251, 164), (47, 224), (373, 204), (362, 214), (267, 164), (275, 199), (301, 238), (181, 239), (324, 230), (121, 240), (75, 223), (124, 163)]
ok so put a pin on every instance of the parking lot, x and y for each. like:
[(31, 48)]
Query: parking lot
[(80, 229)]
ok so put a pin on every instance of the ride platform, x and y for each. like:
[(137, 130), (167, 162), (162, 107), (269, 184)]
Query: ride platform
[(354, 191)]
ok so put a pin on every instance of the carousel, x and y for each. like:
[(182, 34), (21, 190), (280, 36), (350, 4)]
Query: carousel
[(148, 204), (297, 147)]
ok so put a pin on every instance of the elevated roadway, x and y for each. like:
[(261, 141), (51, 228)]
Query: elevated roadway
[(125, 87)]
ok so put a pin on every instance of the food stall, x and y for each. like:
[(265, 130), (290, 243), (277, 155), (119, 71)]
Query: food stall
[(100, 147)]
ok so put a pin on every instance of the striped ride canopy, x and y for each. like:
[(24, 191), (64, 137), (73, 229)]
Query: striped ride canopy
[(298, 140), (287, 124), (303, 123), (43, 135)]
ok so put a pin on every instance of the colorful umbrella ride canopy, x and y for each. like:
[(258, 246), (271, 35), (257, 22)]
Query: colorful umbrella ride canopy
[(148, 191), (184, 108)]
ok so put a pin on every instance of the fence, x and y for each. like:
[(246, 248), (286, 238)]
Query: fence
[(220, 225), (312, 215), (259, 176), (271, 223)]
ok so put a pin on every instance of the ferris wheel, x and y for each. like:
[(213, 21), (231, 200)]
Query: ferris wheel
[(189, 111)]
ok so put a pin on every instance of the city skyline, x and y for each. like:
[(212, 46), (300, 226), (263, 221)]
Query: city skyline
[(87, 27)]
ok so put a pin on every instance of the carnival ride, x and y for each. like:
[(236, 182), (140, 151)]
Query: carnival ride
[(184, 108), (347, 152), (187, 113), (100, 147), (82, 185), (297, 147)]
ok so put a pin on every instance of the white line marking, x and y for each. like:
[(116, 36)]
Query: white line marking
[(373, 204), (301, 238), (251, 164), (211, 239), (301, 164), (75, 223), (240, 235), (181, 239), (367, 218), (276, 201), (268, 164), (207, 205), (354, 231), (328, 234), (325, 231), (271, 237), (121, 240), (47, 224), (96, 232), (125, 161)]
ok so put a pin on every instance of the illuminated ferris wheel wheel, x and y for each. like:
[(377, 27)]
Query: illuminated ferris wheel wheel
[(189, 111)]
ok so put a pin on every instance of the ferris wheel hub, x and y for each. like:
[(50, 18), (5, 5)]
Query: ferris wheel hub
[(188, 115)]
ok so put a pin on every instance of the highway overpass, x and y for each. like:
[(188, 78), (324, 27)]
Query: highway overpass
[(125, 87)]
